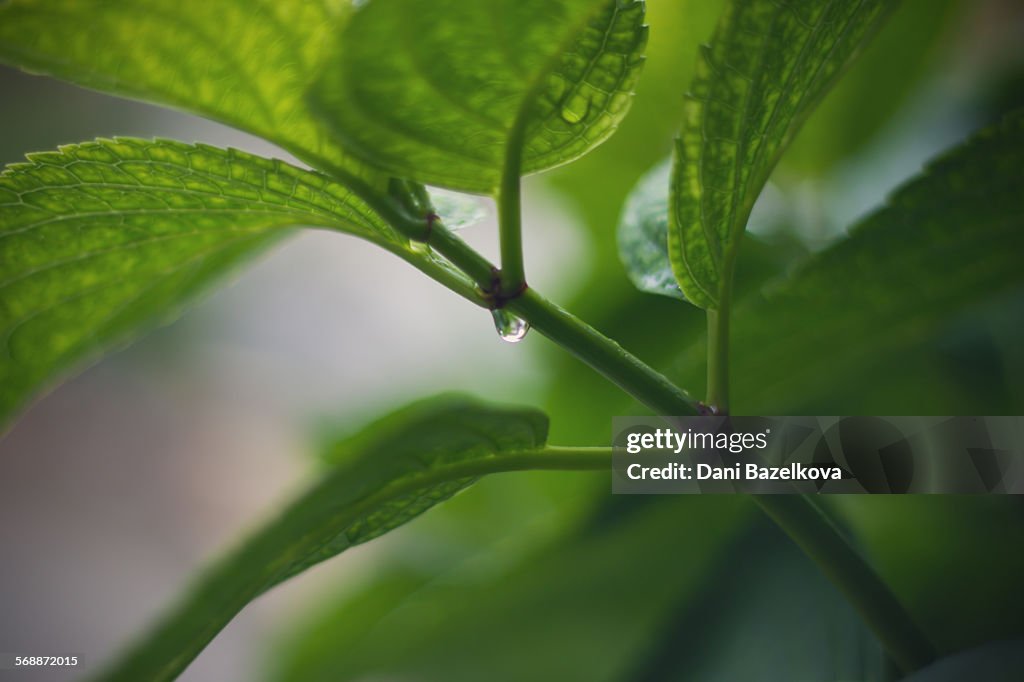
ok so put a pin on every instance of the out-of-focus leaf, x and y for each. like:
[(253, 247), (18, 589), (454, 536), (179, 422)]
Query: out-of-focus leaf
[(767, 614), (458, 210), (1000, 661), (99, 238), (387, 475), (643, 235), (767, 66), (247, 63), (445, 101), (892, 69), (949, 239), (581, 610), (977, 540)]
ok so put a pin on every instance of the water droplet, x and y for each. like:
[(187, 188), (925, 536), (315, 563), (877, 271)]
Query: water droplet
[(420, 248), (576, 108), (509, 327)]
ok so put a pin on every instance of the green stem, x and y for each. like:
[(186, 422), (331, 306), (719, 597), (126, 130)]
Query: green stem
[(462, 256), (604, 355), (513, 273), (454, 280), (718, 361), (820, 539), (718, 343), (802, 521), (809, 527)]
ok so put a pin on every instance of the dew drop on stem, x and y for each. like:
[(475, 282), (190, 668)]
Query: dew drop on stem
[(509, 327)]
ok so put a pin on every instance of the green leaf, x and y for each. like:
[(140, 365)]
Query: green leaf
[(947, 241), (1000, 661), (643, 239), (98, 238), (580, 610), (977, 539), (459, 210), (769, 63), (442, 91), (387, 475), (643, 235), (869, 95), (767, 614), (247, 63), (596, 184)]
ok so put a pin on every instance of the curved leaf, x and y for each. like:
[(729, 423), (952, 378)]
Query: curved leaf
[(247, 63), (872, 93), (98, 238), (643, 235), (444, 100), (582, 609), (390, 473), (643, 239), (769, 63), (948, 240)]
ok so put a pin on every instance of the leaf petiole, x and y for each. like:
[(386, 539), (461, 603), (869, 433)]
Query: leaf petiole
[(512, 279)]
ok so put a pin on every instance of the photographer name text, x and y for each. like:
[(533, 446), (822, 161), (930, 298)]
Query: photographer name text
[(668, 441)]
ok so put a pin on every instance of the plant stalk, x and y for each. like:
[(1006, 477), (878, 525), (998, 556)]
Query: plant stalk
[(513, 272), (595, 349), (718, 361), (604, 355), (803, 521), (453, 280), (718, 340), (810, 528)]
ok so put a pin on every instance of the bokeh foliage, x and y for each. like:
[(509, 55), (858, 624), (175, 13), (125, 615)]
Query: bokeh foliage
[(612, 586)]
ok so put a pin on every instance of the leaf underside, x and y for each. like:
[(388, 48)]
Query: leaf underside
[(348, 507), (643, 235), (768, 65), (439, 101), (97, 239)]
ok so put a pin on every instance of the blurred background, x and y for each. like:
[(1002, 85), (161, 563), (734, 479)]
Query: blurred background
[(121, 483)]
